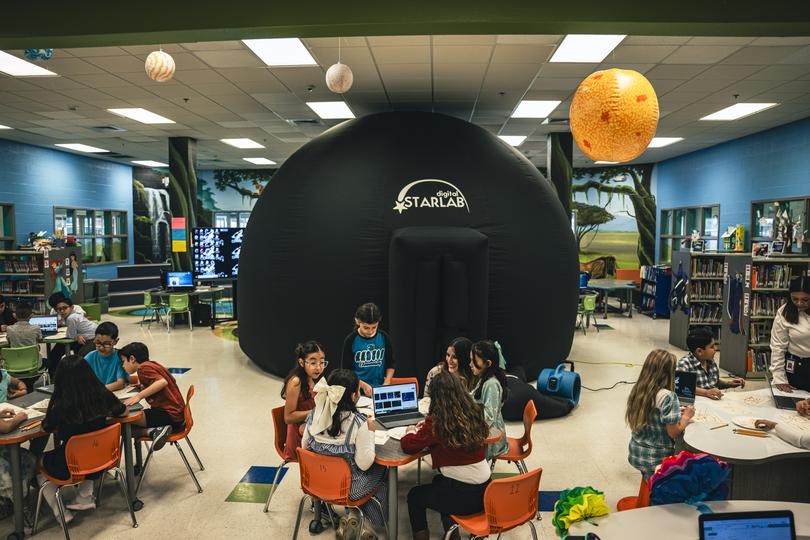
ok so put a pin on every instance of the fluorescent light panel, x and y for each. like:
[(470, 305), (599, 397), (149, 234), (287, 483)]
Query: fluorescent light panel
[(534, 108), (739, 110), (592, 48), (5, 127), (78, 147), (331, 110), (17, 67), (242, 143), (281, 52), (605, 162), (150, 163), (142, 115), (259, 160), (660, 142), (513, 140)]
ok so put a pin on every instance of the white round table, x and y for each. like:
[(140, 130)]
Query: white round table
[(679, 521)]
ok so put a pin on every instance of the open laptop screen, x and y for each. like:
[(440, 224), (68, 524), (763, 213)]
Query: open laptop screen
[(47, 323), (772, 525), (685, 383), (395, 398)]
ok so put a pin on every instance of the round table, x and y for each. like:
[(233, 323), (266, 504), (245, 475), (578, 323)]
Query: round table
[(679, 521)]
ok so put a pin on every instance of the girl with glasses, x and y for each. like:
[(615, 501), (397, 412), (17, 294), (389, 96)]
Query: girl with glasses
[(297, 392)]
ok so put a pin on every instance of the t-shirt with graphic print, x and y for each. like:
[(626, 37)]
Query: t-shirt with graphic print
[(370, 358)]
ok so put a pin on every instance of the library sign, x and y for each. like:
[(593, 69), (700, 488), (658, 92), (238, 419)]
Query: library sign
[(430, 193)]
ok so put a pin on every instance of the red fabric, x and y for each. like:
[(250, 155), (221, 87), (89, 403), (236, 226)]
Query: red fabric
[(170, 399), (293, 439), (441, 455)]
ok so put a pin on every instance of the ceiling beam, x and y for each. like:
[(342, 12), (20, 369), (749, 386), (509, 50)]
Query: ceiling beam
[(102, 23)]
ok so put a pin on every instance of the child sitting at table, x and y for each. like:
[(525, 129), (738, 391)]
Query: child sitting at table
[(23, 333), (367, 349), (335, 428), (79, 404), (654, 413), (456, 362), (298, 394), (702, 348), (105, 361), (488, 365), (159, 388), (454, 431), (79, 329)]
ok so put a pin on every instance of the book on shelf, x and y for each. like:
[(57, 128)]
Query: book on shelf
[(770, 276), (760, 331), (758, 360), (766, 305), (707, 289), (648, 303), (707, 267), (705, 313)]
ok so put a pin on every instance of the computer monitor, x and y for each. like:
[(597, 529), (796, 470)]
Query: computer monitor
[(215, 252), (180, 281), (46, 323), (756, 525)]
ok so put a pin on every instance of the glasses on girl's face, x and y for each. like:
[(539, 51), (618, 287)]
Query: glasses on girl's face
[(321, 364)]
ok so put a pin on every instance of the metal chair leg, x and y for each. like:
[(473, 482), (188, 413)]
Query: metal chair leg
[(362, 523), (191, 472), (188, 316), (298, 519), (450, 531), (273, 487), (61, 506), (188, 441), (143, 470), (122, 483), (98, 491), (534, 532), (419, 472), (385, 521), (525, 469), (39, 505)]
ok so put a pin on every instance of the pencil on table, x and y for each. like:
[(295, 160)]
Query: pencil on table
[(718, 427), (32, 425)]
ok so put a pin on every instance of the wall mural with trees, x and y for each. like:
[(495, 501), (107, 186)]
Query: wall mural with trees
[(229, 190), (616, 213)]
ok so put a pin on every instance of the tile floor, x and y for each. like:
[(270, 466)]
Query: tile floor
[(233, 432)]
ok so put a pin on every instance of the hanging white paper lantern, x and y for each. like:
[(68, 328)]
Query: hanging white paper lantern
[(159, 66), (339, 78)]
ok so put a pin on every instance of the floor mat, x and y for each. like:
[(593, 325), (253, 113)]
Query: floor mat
[(255, 485)]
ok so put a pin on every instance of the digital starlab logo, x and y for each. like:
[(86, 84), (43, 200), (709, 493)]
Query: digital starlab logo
[(442, 198)]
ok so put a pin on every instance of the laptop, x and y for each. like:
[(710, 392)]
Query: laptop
[(396, 405), (180, 281), (47, 323), (781, 402), (685, 384), (757, 525)]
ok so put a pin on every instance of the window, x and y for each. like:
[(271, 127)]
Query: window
[(101, 233), (677, 225), (763, 218), (231, 219), (7, 226)]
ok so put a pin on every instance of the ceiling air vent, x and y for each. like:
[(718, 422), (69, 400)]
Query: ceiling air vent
[(108, 129), (304, 122), (116, 155)]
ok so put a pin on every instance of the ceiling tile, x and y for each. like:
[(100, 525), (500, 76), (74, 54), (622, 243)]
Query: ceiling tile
[(102, 80), (728, 72), (352, 57), (66, 66), (655, 40), (401, 55), (397, 41), (802, 56), (781, 72), (762, 56), (720, 40), (517, 39), (144, 50), (521, 54), (118, 64), (299, 78), (333, 42), (642, 54), (56, 83), (405, 70), (218, 89), (702, 54), (464, 40), (566, 85), (510, 76), (682, 71), (461, 54), (230, 59), (213, 45), (199, 76), (566, 70), (85, 52)]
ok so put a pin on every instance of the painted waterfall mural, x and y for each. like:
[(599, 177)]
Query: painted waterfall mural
[(152, 216)]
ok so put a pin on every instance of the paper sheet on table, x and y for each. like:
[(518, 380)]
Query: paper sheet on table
[(707, 417), (41, 405), (126, 392), (32, 413), (397, 433), (381, 437), (801, 394), (799, 422), (364, 402)]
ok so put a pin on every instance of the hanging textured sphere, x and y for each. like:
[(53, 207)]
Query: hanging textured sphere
[(159, 66), (339, 78), (614, 115)]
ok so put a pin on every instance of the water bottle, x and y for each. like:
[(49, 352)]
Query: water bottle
[(46, 379)]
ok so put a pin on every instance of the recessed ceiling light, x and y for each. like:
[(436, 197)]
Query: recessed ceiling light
[(739, 110), (150, 163), (242, 143), (331, 110), (514, 140), (17, 67), (259, 160), (529, 108), (5, 127), (281, 52), (142, 115), (78, 147), (660, 142), (591, 48)]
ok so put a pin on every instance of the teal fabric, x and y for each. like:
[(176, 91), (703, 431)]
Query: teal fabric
[(491, 399), (4, 385)]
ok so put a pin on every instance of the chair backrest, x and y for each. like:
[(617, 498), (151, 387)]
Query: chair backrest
[(632, 274), (327, 478), (92, 311), (95, 451), (402, 380), (178, 302), (147, 298), (21, 359), (529, 416), (509, 502), (280, 429), (589, 302), (189, 420)]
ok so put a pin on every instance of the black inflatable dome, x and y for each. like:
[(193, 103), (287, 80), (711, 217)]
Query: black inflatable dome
[(448, 229)]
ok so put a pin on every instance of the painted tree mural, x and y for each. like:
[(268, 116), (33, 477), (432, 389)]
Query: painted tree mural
[(609, 180), (236, 179), (589, 218)]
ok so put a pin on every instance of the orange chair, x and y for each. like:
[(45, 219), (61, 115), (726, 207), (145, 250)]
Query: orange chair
[(280, 429), (329, 478), (174, 439), (98, 451), (403, 380), (508, 503), (516, 453), (642, 500)]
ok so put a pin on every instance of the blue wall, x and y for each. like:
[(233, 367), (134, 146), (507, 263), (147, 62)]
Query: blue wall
[(772, 164), (36, 179)]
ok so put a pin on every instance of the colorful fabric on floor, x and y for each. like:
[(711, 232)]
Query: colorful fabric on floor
[(576, 504)]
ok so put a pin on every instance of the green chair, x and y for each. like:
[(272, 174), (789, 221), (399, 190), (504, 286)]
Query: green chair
[(93, 311), (178, 303), (22, 362), (586, 309), (152, 307)]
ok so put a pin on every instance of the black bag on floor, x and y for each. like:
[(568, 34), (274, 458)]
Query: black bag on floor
[(520, 392), (201, 315)]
